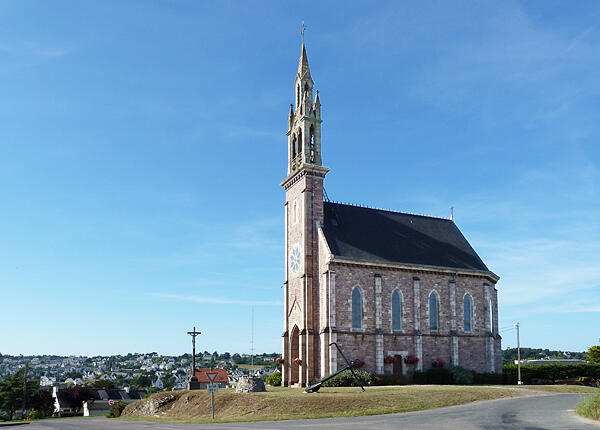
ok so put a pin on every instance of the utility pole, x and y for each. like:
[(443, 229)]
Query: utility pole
[(519, 382), (193, 384), (25, 390), (252, 329)]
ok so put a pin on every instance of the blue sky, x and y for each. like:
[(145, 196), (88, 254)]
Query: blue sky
[(142, 145)]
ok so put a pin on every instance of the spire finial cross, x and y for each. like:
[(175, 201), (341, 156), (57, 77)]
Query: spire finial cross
[(303, 29)]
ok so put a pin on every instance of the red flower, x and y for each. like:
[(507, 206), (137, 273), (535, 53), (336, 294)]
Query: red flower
[(359, 363), (411, 359), (439, 363)]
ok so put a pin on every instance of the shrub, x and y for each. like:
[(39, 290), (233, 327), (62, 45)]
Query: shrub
[(116, 409), (346, 379), (461, 376), (36, 414), (488, 378), (274, 379), (436, 375), (65, 414), (389, 380), (590, 407)]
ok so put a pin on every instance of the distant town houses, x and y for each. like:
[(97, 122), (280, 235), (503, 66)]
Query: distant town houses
[(148, 371)]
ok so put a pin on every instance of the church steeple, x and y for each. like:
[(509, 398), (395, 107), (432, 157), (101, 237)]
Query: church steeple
[(304, 125), (303, 64)]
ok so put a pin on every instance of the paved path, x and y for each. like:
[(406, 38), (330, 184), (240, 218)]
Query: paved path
[(531, 413)]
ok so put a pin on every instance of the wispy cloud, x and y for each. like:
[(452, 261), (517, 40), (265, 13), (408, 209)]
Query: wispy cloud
[(34, 50), (214, 300)]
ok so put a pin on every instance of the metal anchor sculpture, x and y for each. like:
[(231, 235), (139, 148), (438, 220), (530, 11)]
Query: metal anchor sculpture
[(350, 365)]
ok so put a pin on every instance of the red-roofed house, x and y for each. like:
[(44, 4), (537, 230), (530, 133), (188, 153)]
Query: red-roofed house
[(220, 379)]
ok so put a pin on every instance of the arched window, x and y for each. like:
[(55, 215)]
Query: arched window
[(293, 146), (396, 310), (300, 142), (356, 308), (468, 313), (298, 96), (433, 311)]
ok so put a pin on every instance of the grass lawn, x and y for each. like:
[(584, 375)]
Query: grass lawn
[(291, 403), (590, 407), (558, 388)]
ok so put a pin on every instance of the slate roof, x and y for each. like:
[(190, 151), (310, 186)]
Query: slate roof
[(376, 235)]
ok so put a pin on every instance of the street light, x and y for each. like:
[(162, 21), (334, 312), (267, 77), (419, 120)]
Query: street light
[(519, 382)]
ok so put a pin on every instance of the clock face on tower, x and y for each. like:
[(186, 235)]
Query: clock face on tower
[(295, 259)]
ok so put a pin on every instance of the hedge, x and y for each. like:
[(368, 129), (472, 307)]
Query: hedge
[(389, 380), (548, 374)]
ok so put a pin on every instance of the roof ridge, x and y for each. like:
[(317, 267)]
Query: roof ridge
[(356, 205)]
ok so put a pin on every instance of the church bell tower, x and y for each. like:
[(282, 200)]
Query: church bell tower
[(304, 122), (303, 187)]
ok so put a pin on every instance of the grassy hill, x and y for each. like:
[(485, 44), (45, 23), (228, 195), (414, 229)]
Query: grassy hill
[(291, 403)]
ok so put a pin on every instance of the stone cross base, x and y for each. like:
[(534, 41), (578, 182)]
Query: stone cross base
[(249, 384), (193, 383)]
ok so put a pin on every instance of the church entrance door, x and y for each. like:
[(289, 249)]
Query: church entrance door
[(294, 353), (397, 365)]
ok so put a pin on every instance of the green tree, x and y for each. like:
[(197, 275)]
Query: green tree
[(593, 354), (76, 395), (102, 383), (168, 382), (11, 392), (42, 403), (142, 381)]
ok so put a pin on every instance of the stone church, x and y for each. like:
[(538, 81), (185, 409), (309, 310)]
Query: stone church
[(395, 290)]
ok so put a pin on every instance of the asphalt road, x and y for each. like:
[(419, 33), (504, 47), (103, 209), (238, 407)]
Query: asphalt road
[(531, 413)]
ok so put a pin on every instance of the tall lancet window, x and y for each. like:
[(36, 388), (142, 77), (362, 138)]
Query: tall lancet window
[(356, 308), (468, 313), (491, 309), (312, 144), (433, 312), (300, 142), (396, 310), (293, 146)]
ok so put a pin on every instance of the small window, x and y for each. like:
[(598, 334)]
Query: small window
[(295, 211), (433, 312), (468, 313), (356, 308), (396, 311)]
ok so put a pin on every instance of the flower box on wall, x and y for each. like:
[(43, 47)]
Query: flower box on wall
[(411, 359)]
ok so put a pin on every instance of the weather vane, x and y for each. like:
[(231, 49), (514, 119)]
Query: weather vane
[(302, 31)]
